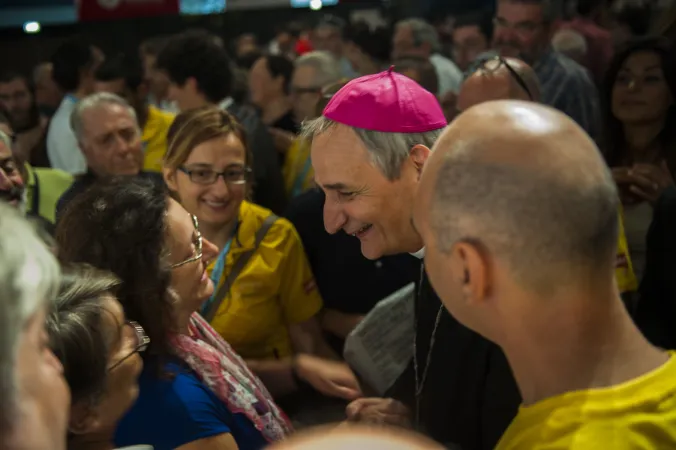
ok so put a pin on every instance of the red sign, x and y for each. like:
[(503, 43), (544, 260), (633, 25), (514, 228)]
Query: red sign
[(124, 9)]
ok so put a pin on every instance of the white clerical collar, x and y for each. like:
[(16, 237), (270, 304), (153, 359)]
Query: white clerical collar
[(420, 254)]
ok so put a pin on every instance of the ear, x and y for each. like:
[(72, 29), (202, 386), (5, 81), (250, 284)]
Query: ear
[(170, 178), (418, 156), (473, 269), (83, 419)]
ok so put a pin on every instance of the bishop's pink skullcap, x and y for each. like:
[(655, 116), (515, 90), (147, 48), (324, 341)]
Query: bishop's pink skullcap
[(387, 102)]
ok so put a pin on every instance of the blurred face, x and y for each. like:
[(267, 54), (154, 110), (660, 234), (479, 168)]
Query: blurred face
[(11, 182), (262, 86), (404, 45), (112, 141), (520, 31), (189, 278), (213, 202), (640, 93), (468, 43), (125, 365), (305, 93), (360, 200), (328, 39), (187, 97), (42, 393), (158, 81), (17, 101)]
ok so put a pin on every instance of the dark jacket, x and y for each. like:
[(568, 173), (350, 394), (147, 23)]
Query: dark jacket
[(470, 395), (83, 182), (655, 313)]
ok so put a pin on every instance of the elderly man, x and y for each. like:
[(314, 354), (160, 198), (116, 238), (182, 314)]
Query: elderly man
[(415, 37), (518, 212), (368, 150), (34, 397), (109, 137)]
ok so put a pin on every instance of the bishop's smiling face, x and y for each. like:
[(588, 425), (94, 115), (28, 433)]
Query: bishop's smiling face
[(360, 199)]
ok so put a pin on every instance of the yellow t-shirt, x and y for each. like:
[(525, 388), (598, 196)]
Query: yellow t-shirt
[(275, 289), (44, 187), (155, 138), (636, 415), (624, 271), (297, 170)]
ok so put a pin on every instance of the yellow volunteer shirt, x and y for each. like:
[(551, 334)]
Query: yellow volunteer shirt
[(155, 138), (274, 290), (297, 170), (44, 187), (624, 272), (637, 415)]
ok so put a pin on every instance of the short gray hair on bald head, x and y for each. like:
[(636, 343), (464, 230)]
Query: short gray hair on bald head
[(29, 280), (423, 32), (325, 64), (92, 102), (388, 151)]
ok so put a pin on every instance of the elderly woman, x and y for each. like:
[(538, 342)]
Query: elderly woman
[(99, 351), (195, 391), (34, 398)]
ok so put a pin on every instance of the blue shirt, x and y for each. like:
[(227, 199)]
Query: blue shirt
[(174, 411)]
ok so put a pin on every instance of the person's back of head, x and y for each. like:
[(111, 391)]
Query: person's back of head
[(126, 67), (72, 60), (196, 55), (520, 188), (34, 398), (570, 43), (420, 70), (327, 69), (423, 33), (375, 43)]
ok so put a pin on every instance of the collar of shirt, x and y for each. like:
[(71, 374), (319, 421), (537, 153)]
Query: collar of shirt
[(420, 254)]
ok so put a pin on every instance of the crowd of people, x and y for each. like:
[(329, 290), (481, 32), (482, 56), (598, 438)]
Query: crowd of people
[(190, 232)]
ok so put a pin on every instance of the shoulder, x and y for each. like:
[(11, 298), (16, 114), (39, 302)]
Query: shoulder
[(281, 233), (53, 175), (571, 69), (164, 117)]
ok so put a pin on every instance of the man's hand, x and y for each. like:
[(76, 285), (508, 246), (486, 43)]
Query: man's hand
[(381, 411), (331, 378)]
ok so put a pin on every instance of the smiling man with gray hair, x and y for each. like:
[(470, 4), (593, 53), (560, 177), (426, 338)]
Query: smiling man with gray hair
[(109, 136), (34, 397)]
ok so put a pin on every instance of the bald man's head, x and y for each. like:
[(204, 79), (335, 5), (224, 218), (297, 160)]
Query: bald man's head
[(525, 187), (356, 437), (494, 80)]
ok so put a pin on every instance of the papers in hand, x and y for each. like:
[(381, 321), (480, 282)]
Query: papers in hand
[(381, 346)]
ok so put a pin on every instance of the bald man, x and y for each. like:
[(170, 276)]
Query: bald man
[(355, 437), (518, 214)]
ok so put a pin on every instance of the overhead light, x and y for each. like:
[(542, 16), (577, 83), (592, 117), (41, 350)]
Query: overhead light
[(31, 27), (316, 5)]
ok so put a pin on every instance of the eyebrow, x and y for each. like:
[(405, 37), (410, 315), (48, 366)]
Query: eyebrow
[(335, 186)]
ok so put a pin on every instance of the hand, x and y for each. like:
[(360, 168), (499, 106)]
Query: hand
[(331, 378), (282, 139), (648, 181), (383, 411), (623, 182)]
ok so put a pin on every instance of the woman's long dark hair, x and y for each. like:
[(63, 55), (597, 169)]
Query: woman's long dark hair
[(120, 226), (614, 142)]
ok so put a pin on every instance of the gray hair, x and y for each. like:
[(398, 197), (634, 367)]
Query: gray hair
[(29, 280), (545, 225), (5, 139), (551, 9), (325, 64), (92, 102), (388, 151), (570, 43), (423, 32)]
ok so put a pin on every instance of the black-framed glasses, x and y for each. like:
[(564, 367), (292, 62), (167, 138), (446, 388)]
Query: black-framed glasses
[(232, 175), (198, 246), (492, 65), (142, 342)]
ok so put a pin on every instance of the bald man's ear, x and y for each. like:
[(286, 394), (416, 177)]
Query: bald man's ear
[(473, 271), (418, 156)]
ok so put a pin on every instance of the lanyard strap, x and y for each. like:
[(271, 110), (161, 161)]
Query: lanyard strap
[(300, 179), (217, 273)]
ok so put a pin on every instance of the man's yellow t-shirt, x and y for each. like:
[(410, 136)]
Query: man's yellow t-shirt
[(44, 187), (636, 415), (275, 289), (297, 170), (155, 138)]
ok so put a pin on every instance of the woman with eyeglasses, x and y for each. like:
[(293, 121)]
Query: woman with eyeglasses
[(99, 350)]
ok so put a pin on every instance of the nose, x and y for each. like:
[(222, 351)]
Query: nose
[(334, 217), (209, 251), (220, 187)]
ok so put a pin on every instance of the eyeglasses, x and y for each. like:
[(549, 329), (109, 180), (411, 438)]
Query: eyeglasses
[(142, 342), (231, 176), (198, 246), (521, 27), (492, 65)]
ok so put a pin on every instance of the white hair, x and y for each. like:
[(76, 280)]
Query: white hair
[(29, 279), (570, 43), (325, 64), (423, 32), (388, 151), (92, 102)]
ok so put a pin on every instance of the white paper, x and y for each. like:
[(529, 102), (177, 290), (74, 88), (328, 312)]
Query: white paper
[(381, 346)]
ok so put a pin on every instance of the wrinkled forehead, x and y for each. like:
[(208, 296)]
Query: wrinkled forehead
[(106, 117), (339, 156)]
